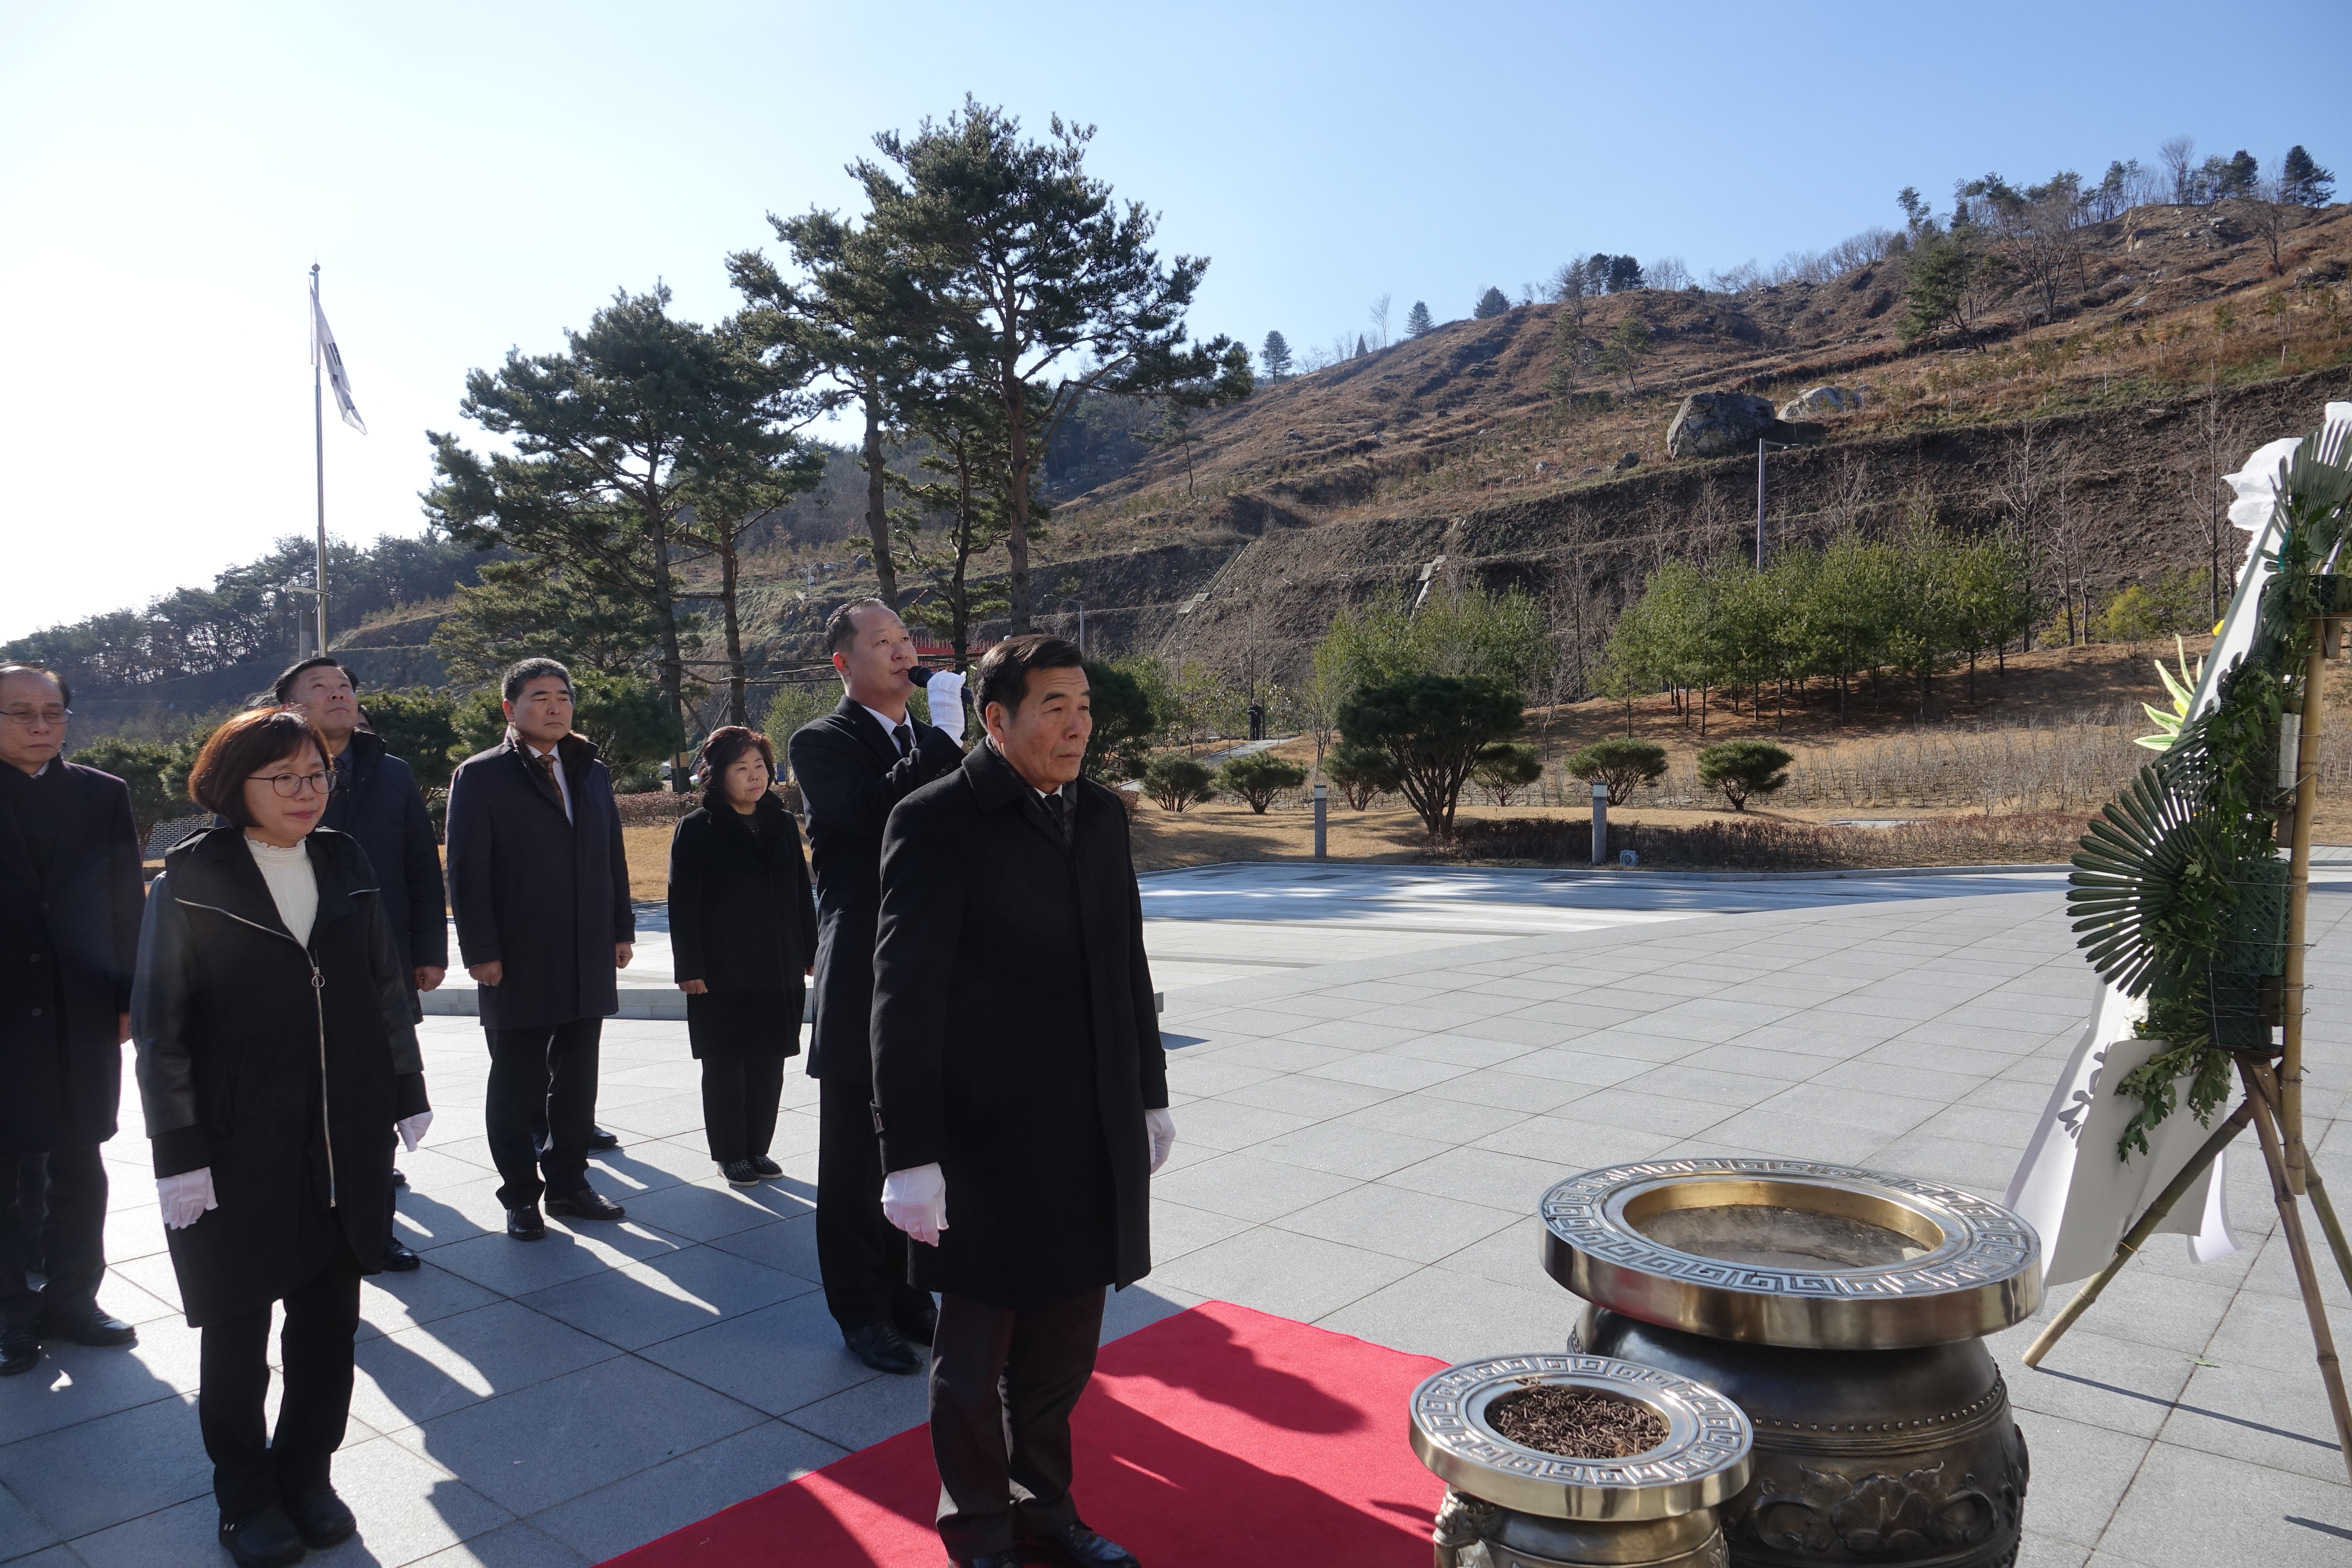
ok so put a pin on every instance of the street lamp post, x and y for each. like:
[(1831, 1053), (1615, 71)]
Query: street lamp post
[(1760, 444)]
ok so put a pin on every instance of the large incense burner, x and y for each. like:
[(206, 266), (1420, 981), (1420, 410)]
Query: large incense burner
[(1841, 1310)]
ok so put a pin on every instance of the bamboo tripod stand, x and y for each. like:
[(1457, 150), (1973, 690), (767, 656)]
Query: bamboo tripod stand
[(2273, 1099)]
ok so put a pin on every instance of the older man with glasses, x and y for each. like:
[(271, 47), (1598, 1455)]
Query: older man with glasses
[(71, 898)]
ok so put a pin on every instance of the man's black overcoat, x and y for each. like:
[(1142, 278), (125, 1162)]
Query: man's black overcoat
[(545, 897), (850, 775), (742, 922), (67, 940), (377, 802), (276, 1067), (1015, 1039)]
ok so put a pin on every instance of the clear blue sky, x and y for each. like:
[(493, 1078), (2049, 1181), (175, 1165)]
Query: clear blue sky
[(472, 177)]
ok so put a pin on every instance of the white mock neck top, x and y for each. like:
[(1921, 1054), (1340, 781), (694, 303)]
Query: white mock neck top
[(293, 884)]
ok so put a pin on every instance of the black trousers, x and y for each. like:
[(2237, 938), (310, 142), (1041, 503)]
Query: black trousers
[(70, 1250), (551, 1071), (1003, 1384), (861, 1256), (250, 1469), (739, 1091)]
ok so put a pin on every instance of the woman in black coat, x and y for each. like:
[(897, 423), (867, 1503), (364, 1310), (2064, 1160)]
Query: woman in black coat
[(271, 1016), (743, 928)]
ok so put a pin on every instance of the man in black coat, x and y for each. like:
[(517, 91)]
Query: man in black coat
[(71, 899), (376, 800), (540, 886), (1020, 1092), (854, 764)]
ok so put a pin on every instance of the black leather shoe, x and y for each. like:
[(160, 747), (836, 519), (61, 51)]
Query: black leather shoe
[(398, 1180), (919, 1324), (397, 1258), (600, 1140), (264, 1539), (321, 1518), (1076, 1546), (86, 1326), (586, 1203), (882, 1347), (524, 1224), (20, 1350), (766, 1166), (741, 1172)]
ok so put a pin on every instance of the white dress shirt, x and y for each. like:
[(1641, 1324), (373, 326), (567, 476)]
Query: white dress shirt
[(890, 725)]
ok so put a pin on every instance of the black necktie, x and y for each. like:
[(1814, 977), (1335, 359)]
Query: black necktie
[(906, 739)]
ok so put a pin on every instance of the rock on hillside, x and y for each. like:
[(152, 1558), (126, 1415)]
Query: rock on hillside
[(1718, 424)]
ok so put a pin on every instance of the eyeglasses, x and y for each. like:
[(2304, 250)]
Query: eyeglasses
[(28, 717), (288, 785)]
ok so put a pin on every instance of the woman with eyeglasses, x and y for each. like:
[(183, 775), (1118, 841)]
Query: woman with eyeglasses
[(742, 930), (271, 1016)]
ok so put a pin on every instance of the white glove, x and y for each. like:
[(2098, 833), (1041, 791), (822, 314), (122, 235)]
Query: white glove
[(915, 1200), (185, 1198), (1162, 1126), (412, 1129), (945, 690)]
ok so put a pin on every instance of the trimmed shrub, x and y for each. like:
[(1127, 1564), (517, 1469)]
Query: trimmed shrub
[(1507, 766), (1625, 765), (1258, 778), (1176, 781), (1743, 770), (1362, 774)]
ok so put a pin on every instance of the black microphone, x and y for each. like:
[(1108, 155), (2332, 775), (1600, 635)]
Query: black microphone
[(920, 675)]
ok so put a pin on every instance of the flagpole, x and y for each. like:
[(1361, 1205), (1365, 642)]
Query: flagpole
[(318, 455)]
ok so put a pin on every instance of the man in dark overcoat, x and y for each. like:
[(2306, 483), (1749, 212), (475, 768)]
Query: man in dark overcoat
[(377, 801), (71, 898), (1021, 1093), (539, 887), (854, 764)]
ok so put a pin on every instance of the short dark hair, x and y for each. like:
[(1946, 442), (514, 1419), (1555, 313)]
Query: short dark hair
[(523, 673), (282, 691), (726, 746), (1004, 672), (65, 693), (839, 629), (243, 747)]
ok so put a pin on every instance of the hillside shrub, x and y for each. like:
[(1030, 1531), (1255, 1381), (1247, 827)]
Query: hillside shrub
[(1363, 775), (419, 726), (1259, 778), (1625, 765), (1126, 722), (1176, 781), (1505, 767), (1743, 770)]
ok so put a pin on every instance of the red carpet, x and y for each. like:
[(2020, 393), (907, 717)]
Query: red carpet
[(1219, 1435)]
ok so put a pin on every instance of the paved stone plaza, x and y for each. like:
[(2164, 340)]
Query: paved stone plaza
[(1377, 1071)]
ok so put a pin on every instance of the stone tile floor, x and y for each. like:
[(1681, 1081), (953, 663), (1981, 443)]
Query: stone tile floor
[(1360, 1144)]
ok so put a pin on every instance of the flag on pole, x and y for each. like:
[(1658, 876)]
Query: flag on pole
[(324, 352)]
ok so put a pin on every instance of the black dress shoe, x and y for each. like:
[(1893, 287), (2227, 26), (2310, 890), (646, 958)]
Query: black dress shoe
[(741, 1172), (1076, 1546), (86, 1326), (20, 1350), (398, 1259), (586, 1203), (882, 1347), (321, 1518), (264, 1539), (524, 1224), (600, 1140), (766, 1166), (398, 1180), (919, 1324)]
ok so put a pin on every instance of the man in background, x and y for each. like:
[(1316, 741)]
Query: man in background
[(854, 764), (71, 899), (540, 886), (377, 801)]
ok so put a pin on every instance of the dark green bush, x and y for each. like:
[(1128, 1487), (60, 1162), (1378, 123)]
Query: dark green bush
[(1507, 766), (1259, 778), (1362, 774), (1622, 764), (1176, 781), (1743, 770)]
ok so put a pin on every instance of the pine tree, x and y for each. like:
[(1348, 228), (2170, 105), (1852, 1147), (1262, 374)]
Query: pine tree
[(1419, 322), (1493, 302), (2303, 182), (1625, 273), (1275, 353), (1360, 350)]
